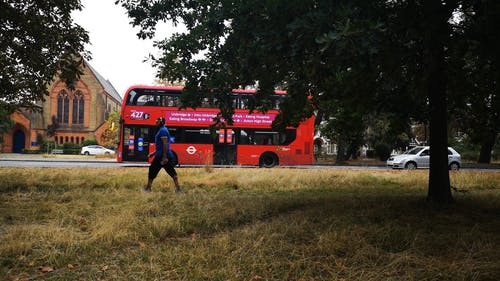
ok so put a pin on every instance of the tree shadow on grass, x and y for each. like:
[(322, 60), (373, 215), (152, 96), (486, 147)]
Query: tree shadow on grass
[(329, 210)]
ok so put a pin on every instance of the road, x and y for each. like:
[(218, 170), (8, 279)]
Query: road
[(68, 161), (61, 161)]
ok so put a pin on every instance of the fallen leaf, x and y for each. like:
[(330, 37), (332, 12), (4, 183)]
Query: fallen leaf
[(46, 269), (142, 245), (72, 265), (104, 268), (31, 264), (21, 258)]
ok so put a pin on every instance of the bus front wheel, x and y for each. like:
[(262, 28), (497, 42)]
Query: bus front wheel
[(268, 160)]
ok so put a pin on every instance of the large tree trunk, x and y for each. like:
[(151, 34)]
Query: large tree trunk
[(341, 149), (352, 151), (439, 179), (486, 147)]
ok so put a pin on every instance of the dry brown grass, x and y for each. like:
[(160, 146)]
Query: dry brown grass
[(246, 224)]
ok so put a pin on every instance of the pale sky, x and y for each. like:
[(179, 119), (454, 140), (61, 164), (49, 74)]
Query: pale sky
[(117, 52)]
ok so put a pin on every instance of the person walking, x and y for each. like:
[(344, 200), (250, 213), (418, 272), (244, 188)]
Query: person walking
[(162, 157)]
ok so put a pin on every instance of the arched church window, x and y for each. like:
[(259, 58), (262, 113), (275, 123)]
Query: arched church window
[(78, 108), (63, 107)]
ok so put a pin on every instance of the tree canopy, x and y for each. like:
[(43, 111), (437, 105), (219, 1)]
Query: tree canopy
[(475, 66), (38, 40), (354, 57), (109, 137)]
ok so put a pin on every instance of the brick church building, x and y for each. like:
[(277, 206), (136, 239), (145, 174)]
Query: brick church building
[(80, 113)]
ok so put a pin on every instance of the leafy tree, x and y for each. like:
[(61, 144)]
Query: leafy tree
[(109, 137), (388, 130), (52, 128), (46, 145), (378, 55), (38, 40), (89, 142), (345, 126), (476, 61), (6, 121)]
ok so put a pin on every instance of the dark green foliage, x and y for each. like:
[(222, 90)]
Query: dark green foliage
[(69, 145), (383, 151), (370, 153), (345, 59), (71, 148), (47, 145), (89, 142), (6, 122), (38, 40), (52, 128), (476, 66)]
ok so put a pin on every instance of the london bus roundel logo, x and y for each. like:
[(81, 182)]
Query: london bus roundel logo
[(191, 150)]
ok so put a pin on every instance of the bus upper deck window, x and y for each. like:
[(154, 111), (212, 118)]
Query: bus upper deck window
[(172, 101), (145, 100), (151, 103)]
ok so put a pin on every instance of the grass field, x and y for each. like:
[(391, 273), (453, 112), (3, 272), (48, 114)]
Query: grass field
[(246, 224)]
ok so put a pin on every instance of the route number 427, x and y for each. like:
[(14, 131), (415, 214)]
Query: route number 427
[(138, 115)]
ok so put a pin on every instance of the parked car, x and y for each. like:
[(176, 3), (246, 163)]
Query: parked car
[(418, 157), (96, 150)]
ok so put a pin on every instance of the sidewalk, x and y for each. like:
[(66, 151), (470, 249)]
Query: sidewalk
[(55, 157), (369, 162), (362, 162), (330, 161)]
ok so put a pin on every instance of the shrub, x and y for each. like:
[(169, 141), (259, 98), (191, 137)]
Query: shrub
[(89, 142), (71, 146), (495, 155), (469, 155), (370, 153), (383, 151), (47, 146), (73, 151), (31, 151)]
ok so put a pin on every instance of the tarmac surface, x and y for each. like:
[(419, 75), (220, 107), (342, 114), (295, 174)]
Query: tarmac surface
[(61, 160)]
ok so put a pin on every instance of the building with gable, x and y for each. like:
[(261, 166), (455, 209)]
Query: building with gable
[(78, 114)]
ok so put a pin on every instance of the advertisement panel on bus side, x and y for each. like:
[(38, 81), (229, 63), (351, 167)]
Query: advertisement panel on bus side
[(200, 117), (190, 118)]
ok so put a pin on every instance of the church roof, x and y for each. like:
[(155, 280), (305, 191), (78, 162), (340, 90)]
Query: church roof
[(108, 87)]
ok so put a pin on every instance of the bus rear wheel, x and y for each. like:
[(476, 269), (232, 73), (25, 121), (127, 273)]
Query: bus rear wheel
[(268, 160)]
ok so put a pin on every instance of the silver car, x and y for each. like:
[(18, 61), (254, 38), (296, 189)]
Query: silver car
[(418, 157), (96, 150)]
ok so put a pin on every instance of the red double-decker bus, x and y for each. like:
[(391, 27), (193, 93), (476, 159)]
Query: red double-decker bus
[(249, 141)]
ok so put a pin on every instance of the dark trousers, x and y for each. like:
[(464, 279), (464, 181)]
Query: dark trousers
[(156, 166)]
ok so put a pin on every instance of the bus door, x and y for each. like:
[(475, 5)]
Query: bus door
[(225, 147), (136, 140)]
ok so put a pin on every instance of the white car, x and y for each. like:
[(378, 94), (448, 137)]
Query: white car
[(96, 150), (418, 157)]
